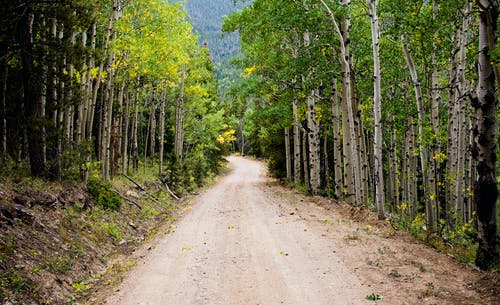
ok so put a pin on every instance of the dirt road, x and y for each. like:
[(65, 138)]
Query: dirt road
[(247, 241)]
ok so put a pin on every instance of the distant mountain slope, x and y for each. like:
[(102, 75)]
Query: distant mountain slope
[(206, 16)]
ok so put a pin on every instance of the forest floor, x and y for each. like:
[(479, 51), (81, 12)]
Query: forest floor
[(248, 240), (58, 245)]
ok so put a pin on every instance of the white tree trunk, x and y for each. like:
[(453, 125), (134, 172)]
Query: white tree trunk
[(429, 203), (297, 174), (348, 101), (314, 144), (288, 157), (337, 141), (179, 120), (378, 169)]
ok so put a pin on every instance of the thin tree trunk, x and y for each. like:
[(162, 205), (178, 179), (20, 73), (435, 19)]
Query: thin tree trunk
[(288, 157), (113, 17), (337, 141), (411, 169), (81, 111), (452, 144), (135, 127), (34, 103), (125, 133), (305, 161), (108, 119), (52, 109), (161, 132), (297, 173), (433, 164), (377, 111), (152, 133), (485, 130), (326, 164), (430, 205), (3, 112), (179, 120), (90, 93), (68, 107), (314, 145)]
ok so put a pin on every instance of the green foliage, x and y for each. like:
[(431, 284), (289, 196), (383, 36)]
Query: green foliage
[(74, 161), (458, 241), (11, 281), (60, 264), (430, 290), (101, 190), (374, 297), (112, 230)]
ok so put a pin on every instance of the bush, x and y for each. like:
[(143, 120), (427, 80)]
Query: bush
[(105, 197)]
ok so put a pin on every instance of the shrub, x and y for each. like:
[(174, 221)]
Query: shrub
[(105, 197)]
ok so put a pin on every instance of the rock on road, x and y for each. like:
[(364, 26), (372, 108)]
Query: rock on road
[(237, 246)]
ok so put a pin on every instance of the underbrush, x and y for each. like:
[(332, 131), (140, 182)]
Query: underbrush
[(459, 242), (57, 240)]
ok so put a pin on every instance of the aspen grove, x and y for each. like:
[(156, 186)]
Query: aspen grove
[(105, 87), (384, 104)]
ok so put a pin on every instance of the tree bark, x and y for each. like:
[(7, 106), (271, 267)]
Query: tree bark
[(485, 131), (378, 169), (125, 133), (297, 173), (161, 131), (3, 112), (135, 127), (152, 133), (90, 85), (33, 102), (288, 157), (337, 141), (179, 120), (354, 189), (108, 119), (305, 161), (314, 144)]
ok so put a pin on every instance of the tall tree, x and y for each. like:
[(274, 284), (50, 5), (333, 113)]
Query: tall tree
[(377, 110), (348, 102), (485, 133)]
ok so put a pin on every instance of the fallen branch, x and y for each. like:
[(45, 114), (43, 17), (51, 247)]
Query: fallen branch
[(127, 199), (142, 189), (170, 192), (133, 181)]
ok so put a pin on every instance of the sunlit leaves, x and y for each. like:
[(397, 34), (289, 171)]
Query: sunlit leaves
[(154, 39)]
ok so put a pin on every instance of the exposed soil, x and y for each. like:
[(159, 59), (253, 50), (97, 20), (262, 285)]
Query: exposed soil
[(56, 243), (248, 240)]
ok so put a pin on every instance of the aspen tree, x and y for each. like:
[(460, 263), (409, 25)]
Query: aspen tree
[(377, 110), (485, 133), (354, 187)]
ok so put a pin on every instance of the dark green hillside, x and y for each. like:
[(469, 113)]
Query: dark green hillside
[(206, 16)]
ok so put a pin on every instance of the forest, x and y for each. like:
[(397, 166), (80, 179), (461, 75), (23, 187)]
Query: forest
[(389, 105), (93, 92), (104, 87)]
